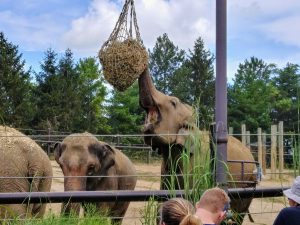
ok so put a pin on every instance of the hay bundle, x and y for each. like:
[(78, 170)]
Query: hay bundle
[(123, 56), (123, 62)]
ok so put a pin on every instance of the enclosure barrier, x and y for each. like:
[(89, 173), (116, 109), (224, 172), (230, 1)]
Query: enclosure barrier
[(109, 196)]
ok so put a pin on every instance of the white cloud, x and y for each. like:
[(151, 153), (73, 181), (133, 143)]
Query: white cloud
[(183, 20)]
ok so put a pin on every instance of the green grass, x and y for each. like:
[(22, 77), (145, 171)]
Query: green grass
[(92, 217)]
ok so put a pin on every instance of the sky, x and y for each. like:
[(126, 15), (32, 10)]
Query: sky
[(267, 29)]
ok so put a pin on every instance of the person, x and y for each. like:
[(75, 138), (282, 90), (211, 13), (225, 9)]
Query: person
[(178, 211), (212, 207), (290, 215)]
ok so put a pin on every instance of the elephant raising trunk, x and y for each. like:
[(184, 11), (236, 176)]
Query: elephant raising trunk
[(168, 119)]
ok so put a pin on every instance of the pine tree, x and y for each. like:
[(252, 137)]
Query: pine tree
[(165, 59), (16, 108), (201, 82)]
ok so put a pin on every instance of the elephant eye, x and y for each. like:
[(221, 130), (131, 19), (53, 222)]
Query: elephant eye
[(91, 169), (173, 102)]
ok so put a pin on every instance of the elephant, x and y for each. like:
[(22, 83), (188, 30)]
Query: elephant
[(167, 123), (23, 159), (83, 155)]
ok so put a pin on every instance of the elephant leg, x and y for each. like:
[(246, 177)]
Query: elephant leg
[(70, 208), (14, 211), (241, 207), (118, 211)]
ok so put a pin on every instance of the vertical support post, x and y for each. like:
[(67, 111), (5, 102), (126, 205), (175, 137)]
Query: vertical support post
[(264, 149), (264, 153), (244, 134), (248, 139), (273, 151), (48, 144), (221, 92), (259, 148), (230, 132), (280, 149)]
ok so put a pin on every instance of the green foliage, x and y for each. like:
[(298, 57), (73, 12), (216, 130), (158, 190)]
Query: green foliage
[(125, 114), (92, 217), (92, 93), (165, 60), (73, 93), (149, 213), (287, 102), (251, 97), (16, 106), (56, 92)]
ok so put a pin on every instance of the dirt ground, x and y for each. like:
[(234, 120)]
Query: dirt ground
[(263, 210)]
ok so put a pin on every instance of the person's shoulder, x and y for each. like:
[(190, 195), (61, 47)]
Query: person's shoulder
[(290, 209)]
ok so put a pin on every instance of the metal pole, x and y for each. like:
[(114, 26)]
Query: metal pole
[(120, 195), (221, 94)]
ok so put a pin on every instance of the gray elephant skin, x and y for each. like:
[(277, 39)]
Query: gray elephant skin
[(168, 115), (22, 157), (83, 155)]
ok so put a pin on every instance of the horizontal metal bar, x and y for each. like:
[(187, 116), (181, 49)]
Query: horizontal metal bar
[(100, 196)]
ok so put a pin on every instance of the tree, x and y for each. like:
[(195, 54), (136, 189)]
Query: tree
[(287, 102), (125, 115), (47, 92), (69, 101), (200, 82), (57, 93), (164, 60), (16, 108), (252, 96), (92, 93)]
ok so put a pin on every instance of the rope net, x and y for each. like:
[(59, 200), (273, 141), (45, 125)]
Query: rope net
[(123, 56)]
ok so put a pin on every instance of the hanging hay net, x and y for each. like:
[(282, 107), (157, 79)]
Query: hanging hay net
[(123, 56)]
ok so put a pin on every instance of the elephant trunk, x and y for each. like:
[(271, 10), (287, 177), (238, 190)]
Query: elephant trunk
[(146, 90), (73, 184)]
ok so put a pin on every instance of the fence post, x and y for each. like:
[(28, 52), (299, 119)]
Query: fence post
[(48, 144), (259, 148), (273, 151), (230, 132), (280, 148), (264, 153), (149, 155), (248, 139), (244, 134)]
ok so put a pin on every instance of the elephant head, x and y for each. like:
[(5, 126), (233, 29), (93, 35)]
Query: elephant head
[(167, 117), (81, 155)]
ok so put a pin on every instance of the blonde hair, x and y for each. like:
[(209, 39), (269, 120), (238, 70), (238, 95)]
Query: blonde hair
[(213, 199), (178, 211)]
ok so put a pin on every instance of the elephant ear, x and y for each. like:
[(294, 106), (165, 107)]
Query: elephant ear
[(106, 156), (57, 151)]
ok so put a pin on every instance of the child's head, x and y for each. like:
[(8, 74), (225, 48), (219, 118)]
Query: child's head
[(178, 211), (215, 201)]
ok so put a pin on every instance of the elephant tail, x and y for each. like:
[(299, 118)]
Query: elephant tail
[(250, 216)]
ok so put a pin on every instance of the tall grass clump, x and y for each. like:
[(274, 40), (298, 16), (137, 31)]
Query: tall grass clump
[(150, 212), (194, 163)]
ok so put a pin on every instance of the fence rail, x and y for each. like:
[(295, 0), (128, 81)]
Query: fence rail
[(97, 196)]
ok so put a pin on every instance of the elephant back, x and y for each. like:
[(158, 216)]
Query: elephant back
[(239, 171)]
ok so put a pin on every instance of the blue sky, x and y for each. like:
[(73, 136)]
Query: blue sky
[(267, 29)]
